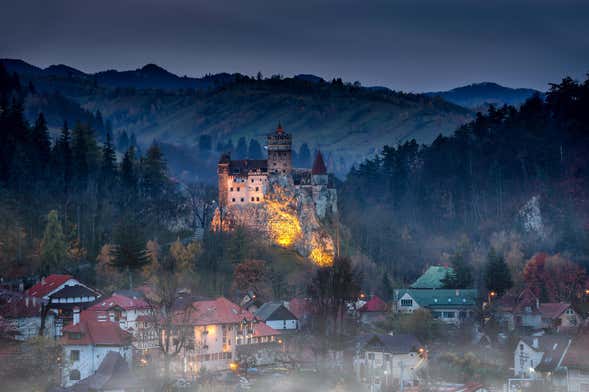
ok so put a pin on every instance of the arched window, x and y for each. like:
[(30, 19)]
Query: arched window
[(74, 375)]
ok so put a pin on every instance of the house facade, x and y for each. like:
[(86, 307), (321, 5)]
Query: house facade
[(448, 305), (538, 357), (383, 362), (86, 342), (25, 315), (277, 316)]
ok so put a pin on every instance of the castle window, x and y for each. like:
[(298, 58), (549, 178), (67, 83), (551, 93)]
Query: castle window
[(242, 199), (233, 199), (252, 199), (237, 189), (231, 189), (257, 189), (257, 199), (252, 180)]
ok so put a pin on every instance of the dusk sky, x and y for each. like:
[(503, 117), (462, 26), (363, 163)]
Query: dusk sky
[(417, 45)]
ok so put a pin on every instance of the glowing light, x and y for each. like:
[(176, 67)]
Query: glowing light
[(321, 257), (233, 366), (283, 225)]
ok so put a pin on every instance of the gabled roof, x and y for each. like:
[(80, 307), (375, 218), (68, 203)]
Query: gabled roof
[(17, 305), (48, 284), (552, 310), (442, 298), (261, 329), (432, 278), (553, 346), (300, 307), (121, 301), (375, 304), (274, 311), (74, 291), (519, 304), (112, 374), (96, 333), (394, 344), (319, 165)]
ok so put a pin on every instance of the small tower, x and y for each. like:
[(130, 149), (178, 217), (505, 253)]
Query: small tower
[(319, 171), (223, 177), (279, 152)]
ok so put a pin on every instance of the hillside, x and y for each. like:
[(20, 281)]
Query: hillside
[(480, 95), (348, 122)]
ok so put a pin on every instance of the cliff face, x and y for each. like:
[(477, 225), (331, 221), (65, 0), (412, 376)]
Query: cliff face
[(287, 217)]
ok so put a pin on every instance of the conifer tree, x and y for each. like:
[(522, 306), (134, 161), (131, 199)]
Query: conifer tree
[(497, 274), (40, 139), (53, 246)]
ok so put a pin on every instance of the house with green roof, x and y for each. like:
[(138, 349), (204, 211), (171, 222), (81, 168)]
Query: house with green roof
[(432, 278), (448, 305)]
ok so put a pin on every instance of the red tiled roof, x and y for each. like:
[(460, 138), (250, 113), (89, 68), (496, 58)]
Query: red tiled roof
[(262, 329), (319, 165), (554, 309), (97, 333), (47, 285), (121, 301), (218, 311), (374, 305)]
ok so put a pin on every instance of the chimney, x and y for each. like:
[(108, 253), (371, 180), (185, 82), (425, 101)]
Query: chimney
[(43, 280), (76, 315), (34, 301), (21, 287), (535, 343), (27, 302)]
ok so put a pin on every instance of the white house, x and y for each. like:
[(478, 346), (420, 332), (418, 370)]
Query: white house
[(539, 356), (576, 365), (217, 327), (86, 342), (277, 316), (382, 361), (63, 293)]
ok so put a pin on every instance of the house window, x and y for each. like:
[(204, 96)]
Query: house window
[(570, 311), (521, 347), (74, 375), (370, 355), (75, 355), (448, 314), (407, 302)]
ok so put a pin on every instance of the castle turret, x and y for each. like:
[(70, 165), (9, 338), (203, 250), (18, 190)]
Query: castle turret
[(223, 177), (319, 171), (279, 152)]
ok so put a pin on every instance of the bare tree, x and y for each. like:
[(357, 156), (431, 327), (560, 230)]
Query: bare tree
[(201, 204)]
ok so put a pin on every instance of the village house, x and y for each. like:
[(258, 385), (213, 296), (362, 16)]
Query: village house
[(87, 341), (25, 315), (375, 309), (301, 308), (277, 316), (63, 293), (526, 311), (452, 306), (382, 361), (538, 357), (216, 328)]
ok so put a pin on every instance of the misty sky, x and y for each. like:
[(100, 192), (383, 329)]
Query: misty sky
[(411, 45)]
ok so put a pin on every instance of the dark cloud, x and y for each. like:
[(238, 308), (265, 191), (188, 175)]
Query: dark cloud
[(411, 45)]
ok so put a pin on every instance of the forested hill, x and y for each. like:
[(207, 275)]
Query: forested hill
[(517, 179), (345, 120), (479, 96)]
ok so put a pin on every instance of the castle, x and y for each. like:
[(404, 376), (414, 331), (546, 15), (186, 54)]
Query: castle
[(245, 182)]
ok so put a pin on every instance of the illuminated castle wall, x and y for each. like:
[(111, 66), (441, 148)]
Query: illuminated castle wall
[(244, 182)]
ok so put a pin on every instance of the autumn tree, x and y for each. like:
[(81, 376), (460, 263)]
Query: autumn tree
[(554, 278)]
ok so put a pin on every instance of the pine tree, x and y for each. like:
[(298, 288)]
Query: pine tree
[(109, 159), (154, 173), (129, 179), (53, 246), (386, 289), (461, 277), (129, 252), (497, 274), (63, 157)]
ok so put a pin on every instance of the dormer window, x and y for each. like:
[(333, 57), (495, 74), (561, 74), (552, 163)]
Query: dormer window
[(75, 335)]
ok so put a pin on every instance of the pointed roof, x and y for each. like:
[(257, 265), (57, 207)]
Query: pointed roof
[(432, 278), (318, 165), (374, 305), (279, 129), (48, 284)]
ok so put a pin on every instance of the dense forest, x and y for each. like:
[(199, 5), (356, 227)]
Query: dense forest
[(510, 179)]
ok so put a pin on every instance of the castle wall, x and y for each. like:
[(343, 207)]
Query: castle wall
[(242, 190)]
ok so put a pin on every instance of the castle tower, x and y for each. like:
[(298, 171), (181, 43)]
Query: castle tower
[(319, 171), (279, 152), (223, 177)]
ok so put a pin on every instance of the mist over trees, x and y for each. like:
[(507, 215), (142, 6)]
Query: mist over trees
[(523, 172)]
